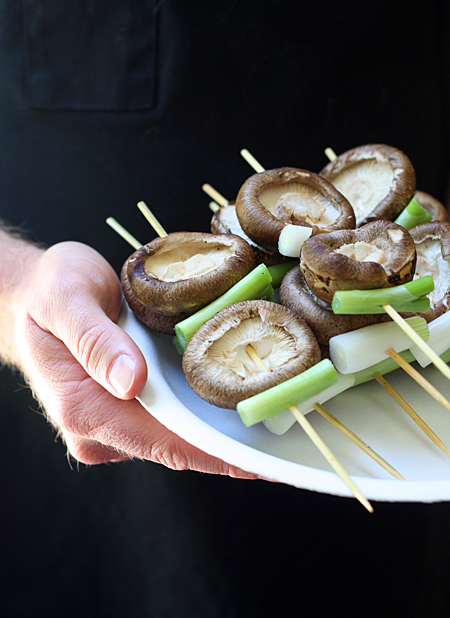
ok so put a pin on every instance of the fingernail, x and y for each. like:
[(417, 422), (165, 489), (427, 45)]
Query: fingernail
[(121, 376)]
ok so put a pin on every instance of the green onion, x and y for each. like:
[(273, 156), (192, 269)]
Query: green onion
[(413, 215), (385, 366), (366, 301), (280, 423), (439, 339), (278, 271), (420, 305), (361, 348), (291, 239), (251, 287), (291, 392)]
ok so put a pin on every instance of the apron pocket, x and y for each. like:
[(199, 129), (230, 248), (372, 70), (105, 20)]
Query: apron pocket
[(90, 54)]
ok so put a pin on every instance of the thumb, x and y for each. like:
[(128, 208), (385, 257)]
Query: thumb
[(82, 302)]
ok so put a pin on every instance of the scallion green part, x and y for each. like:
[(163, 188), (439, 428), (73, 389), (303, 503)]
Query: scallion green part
[(413, 215), (385, 366), (253, 286), (370, 301), (291, 392), (278, 271)]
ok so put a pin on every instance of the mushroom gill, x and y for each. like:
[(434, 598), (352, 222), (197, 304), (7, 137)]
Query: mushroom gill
[(270, 200), (379, 181), (217, 366)]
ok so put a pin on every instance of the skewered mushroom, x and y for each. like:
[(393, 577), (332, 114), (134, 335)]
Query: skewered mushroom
[(270, 200), (432, 242), (379, 181), (432, 205), (217, 366), (377, 255), (175, 276), (225, 221)]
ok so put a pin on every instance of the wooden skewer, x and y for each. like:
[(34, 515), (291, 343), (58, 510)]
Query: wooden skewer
[(430, 353), (252, 161), (418, 377), (354, 438), (215, 195), (415, 417), (317, 440), (330, 154), (152, 219), (123, 232)]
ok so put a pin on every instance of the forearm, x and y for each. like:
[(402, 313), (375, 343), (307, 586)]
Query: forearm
[(18, 259)]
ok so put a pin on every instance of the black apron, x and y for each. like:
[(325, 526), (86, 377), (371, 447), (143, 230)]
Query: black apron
[(103, 104)]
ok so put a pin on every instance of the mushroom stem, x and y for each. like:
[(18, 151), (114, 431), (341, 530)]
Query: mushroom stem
[(316, 439), (435, 359), (415, 417)]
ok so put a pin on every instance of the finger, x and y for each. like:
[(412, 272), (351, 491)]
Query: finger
[(81, 408), (83, 298), (91, 452)]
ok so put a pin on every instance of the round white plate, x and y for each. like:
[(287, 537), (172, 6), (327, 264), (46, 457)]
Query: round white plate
[(292, 458)]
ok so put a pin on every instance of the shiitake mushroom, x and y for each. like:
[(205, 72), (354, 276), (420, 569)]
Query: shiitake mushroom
[(432, 242), (296, 295), (217, 366), (379, 254), (378, 180), (172, 277), (270, 200), (432, 205), (225, 221)]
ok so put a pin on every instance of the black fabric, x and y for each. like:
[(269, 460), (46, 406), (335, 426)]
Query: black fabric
[(284, 80), (90, 54)]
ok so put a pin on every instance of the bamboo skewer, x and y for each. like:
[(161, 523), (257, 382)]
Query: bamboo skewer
[(252, 161), (123, 233), (415, 417), (215, 195), (356, 440), (152, 219), (420, 343), (418, 377), (316, 439)]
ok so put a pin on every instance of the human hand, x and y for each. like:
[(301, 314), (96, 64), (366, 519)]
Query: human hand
[(85, 370)]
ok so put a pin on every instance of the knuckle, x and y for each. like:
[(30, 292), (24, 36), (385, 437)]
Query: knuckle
[(92, 344)]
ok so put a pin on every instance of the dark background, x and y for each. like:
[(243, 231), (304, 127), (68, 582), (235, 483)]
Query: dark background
[(284, 80)]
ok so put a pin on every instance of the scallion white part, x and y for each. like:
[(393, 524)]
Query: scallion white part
[(361, 348), (283, 421), (291, 239), (439, 339)]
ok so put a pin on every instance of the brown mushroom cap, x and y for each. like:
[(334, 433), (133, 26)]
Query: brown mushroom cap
[(156, 321), (271, 199), (331, 262), (295, 294), (217, 366), (379, 181), (432, 241), (184, 271), (225, 221), (432, 205)]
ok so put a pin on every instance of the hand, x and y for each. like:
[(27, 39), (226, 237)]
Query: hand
[(86, 371)]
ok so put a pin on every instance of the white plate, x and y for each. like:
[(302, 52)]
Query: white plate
[(292, 458)]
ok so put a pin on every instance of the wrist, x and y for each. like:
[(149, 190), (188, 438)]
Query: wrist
[(18, 261)]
